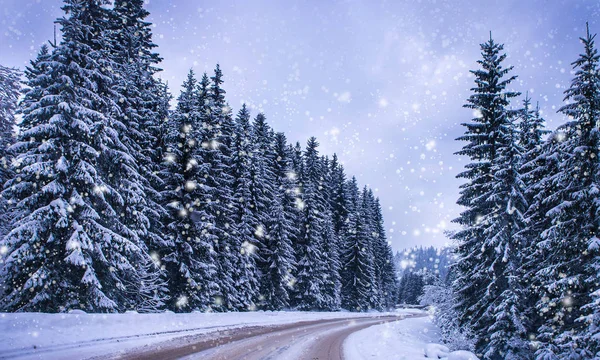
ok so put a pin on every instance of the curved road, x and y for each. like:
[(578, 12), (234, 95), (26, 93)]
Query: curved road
[(311, 340)]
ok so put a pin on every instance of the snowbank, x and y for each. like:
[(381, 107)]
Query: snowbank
[(409, 339), (51, 336)]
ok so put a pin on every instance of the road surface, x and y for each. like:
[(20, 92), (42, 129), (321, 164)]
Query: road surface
[(310, 340)]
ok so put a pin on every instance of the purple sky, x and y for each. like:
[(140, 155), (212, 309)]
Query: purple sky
[(381, 83)]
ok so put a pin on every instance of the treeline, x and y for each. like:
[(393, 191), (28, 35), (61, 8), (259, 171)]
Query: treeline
[(115, 202), (527, 274), (419, 267)]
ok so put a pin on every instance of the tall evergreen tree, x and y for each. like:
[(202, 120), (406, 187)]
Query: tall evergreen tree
[(384, 259), (279, 253), (218, 143), (505, 292), (189, 256), (331, 243), (70, 248), (568, 271), (484, 136), (246, 279), (139, 97), (338, 194), (309, 250), (358, 272)]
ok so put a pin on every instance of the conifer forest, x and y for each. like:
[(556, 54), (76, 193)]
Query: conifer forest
[(155, 183)]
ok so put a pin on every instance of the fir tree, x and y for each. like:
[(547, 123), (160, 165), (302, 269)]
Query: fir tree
[(188, 256), (9, 94), (505, 293), (246, 280), (358, 274), (331, 243), (384, 261), (489, 102), (278, 252), (338, 194), (69, 249), (309, 250), (217, 143), (568, 271)]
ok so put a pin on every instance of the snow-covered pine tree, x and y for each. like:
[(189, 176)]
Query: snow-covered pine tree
[(278, 252), (9, 94), (531, 134), (337, 199), (331, 244), (245, 271), (217, 144), (504, 334), (384, 260), (297, 163), (489, 103), (129, 45), (538, 162), (188, 258), (568, 271), (68, 249), (358, 274), (309, 249), (35, 84), (263, 190), (370, 235), (264, 158)]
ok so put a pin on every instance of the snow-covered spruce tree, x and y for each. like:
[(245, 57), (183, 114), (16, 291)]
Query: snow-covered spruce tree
[(188, 256), (9, 93), (278, 252), (531, 134), (331, 244), (538, 161), (70, 248), (504, 334), (297, 162), (338, 195), (489, 103), (219, 129), (263, 190), (264, 159), (374, 248), (358, 274), (568, 271), (129, 45), (36, 83), (245, 275), (309, 249), (384, 260)]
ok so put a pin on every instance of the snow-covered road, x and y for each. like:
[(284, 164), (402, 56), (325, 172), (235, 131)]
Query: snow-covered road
[(80, 335), (320, 339)]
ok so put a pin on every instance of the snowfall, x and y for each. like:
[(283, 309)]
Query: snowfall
[(80, 335)]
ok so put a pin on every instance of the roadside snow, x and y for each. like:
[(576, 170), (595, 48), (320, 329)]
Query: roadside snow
[(408, 339), (81, 335)]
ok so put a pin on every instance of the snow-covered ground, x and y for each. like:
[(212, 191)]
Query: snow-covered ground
[(408, 339), (53, 336)]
